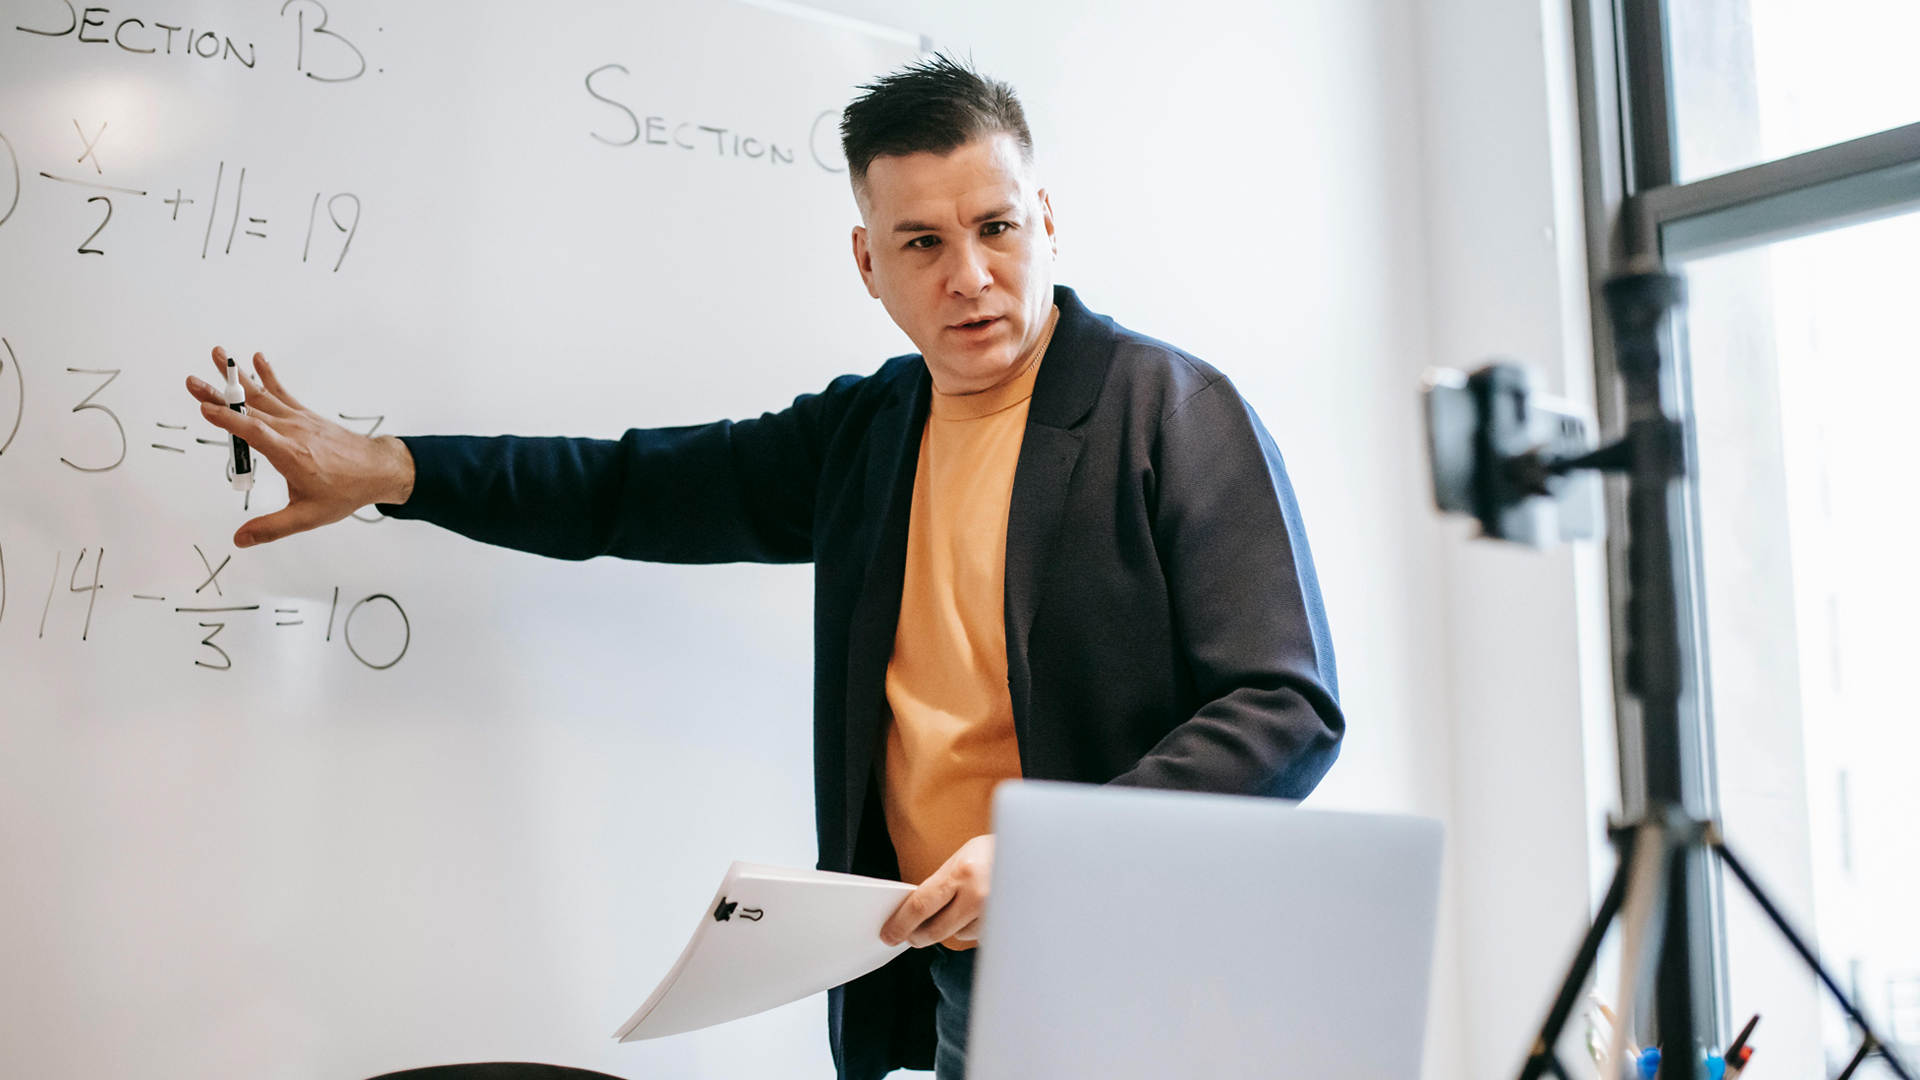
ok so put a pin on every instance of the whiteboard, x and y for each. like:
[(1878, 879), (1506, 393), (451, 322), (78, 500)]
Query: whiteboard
[(378, 797)]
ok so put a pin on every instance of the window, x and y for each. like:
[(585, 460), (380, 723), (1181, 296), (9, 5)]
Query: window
[(1802, 360), (1757, 147), (1757, 80)]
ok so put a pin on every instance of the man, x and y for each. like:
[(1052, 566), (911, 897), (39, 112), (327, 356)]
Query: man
[(1045, 546)]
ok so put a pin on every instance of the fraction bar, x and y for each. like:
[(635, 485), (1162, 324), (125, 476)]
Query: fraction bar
[(91, 184)]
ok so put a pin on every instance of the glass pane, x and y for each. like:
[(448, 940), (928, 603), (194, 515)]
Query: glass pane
[(1802, 362), (1755, 80)]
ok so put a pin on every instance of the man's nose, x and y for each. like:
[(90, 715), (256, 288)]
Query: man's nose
[(969, 275)]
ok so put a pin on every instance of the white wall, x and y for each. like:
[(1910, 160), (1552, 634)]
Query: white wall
[(1322, 200)]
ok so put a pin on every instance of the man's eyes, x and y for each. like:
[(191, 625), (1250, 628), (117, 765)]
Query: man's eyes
[(991, 228)]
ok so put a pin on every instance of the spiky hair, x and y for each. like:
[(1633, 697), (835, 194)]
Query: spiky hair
[(934, 105)]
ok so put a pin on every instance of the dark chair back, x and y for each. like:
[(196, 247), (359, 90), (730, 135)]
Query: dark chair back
[(496, 1070)]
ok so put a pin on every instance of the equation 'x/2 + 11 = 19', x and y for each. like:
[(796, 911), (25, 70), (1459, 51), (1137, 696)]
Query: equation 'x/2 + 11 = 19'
[(226, 212)]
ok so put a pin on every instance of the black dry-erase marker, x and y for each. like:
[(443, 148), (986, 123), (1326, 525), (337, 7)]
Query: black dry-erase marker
[(241, 466)]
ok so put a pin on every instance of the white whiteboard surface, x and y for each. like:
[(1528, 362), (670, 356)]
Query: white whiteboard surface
[(307, 865)]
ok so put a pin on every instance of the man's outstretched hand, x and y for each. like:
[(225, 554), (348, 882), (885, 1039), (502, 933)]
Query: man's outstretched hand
[(948, 904), (330, 471)]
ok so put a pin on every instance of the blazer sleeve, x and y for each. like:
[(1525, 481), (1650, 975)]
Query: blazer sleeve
[(1246, 607), (722, 492)]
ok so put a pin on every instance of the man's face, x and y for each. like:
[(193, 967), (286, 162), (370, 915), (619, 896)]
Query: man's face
[(959, 249)]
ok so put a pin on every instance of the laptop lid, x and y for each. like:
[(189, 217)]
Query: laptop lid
[(1136, 933)]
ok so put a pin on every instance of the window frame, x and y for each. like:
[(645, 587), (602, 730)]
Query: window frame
[(1637, 216)]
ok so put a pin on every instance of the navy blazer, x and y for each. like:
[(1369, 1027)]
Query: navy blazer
[(1164, 625)]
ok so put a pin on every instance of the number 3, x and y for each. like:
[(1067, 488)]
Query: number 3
[(87, 403)]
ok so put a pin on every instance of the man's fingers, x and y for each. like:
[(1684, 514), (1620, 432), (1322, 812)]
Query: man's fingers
[(257, 397), (260, 399), (948, 902), (251, 428), (268, 403), (296, 518), (919, 906), (271, 381), (205, 392), (944, 924), (906, 918), (264, 391), (969, 932)]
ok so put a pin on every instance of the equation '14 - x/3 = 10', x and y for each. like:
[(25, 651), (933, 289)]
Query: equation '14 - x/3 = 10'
[(373, 629)]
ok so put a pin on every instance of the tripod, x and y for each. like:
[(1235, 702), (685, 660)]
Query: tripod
[(1661, 853)]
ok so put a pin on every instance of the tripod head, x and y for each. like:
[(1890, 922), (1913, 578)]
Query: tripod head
[(1522, 462), (1503, 452)]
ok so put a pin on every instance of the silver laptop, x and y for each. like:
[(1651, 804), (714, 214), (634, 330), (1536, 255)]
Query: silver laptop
[(1156, 934)]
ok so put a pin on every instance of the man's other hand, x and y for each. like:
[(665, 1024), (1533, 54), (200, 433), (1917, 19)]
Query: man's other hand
[(330, 471), (948, 904)]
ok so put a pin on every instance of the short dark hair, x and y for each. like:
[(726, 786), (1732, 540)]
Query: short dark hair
[(935, 105)]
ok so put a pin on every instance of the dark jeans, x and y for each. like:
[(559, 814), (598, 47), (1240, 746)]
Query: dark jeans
[(953, 978)]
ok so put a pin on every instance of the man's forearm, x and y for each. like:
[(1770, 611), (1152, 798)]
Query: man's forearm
[(662, 495), (1253, 741)]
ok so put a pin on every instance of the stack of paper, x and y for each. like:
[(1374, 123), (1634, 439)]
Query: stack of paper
[(771, 936)]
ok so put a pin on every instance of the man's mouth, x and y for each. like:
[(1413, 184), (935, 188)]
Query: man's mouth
[(975, 325)]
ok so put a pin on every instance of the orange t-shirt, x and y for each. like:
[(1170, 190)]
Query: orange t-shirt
[(952, 737)]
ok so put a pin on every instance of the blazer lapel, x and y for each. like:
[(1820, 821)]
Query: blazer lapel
[(893, 455), (1071, 376)]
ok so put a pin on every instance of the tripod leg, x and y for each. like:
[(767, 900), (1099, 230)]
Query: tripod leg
[(1542, 1059), (1673, 999), (1866, 1047), (1800, 946)]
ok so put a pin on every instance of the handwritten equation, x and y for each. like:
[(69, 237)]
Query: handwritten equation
[(105, 432), (373, 629), (220, 207)]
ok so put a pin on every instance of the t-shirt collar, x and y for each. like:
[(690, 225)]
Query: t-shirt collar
[(1008, 392)]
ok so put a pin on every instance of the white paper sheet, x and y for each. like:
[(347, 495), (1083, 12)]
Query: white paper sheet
[(770, 936)]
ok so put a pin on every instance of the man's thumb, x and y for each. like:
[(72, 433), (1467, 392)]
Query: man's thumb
[(296, 518)]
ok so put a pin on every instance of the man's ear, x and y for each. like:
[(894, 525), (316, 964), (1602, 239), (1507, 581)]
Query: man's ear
[(863, 258), (1046, 218)]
